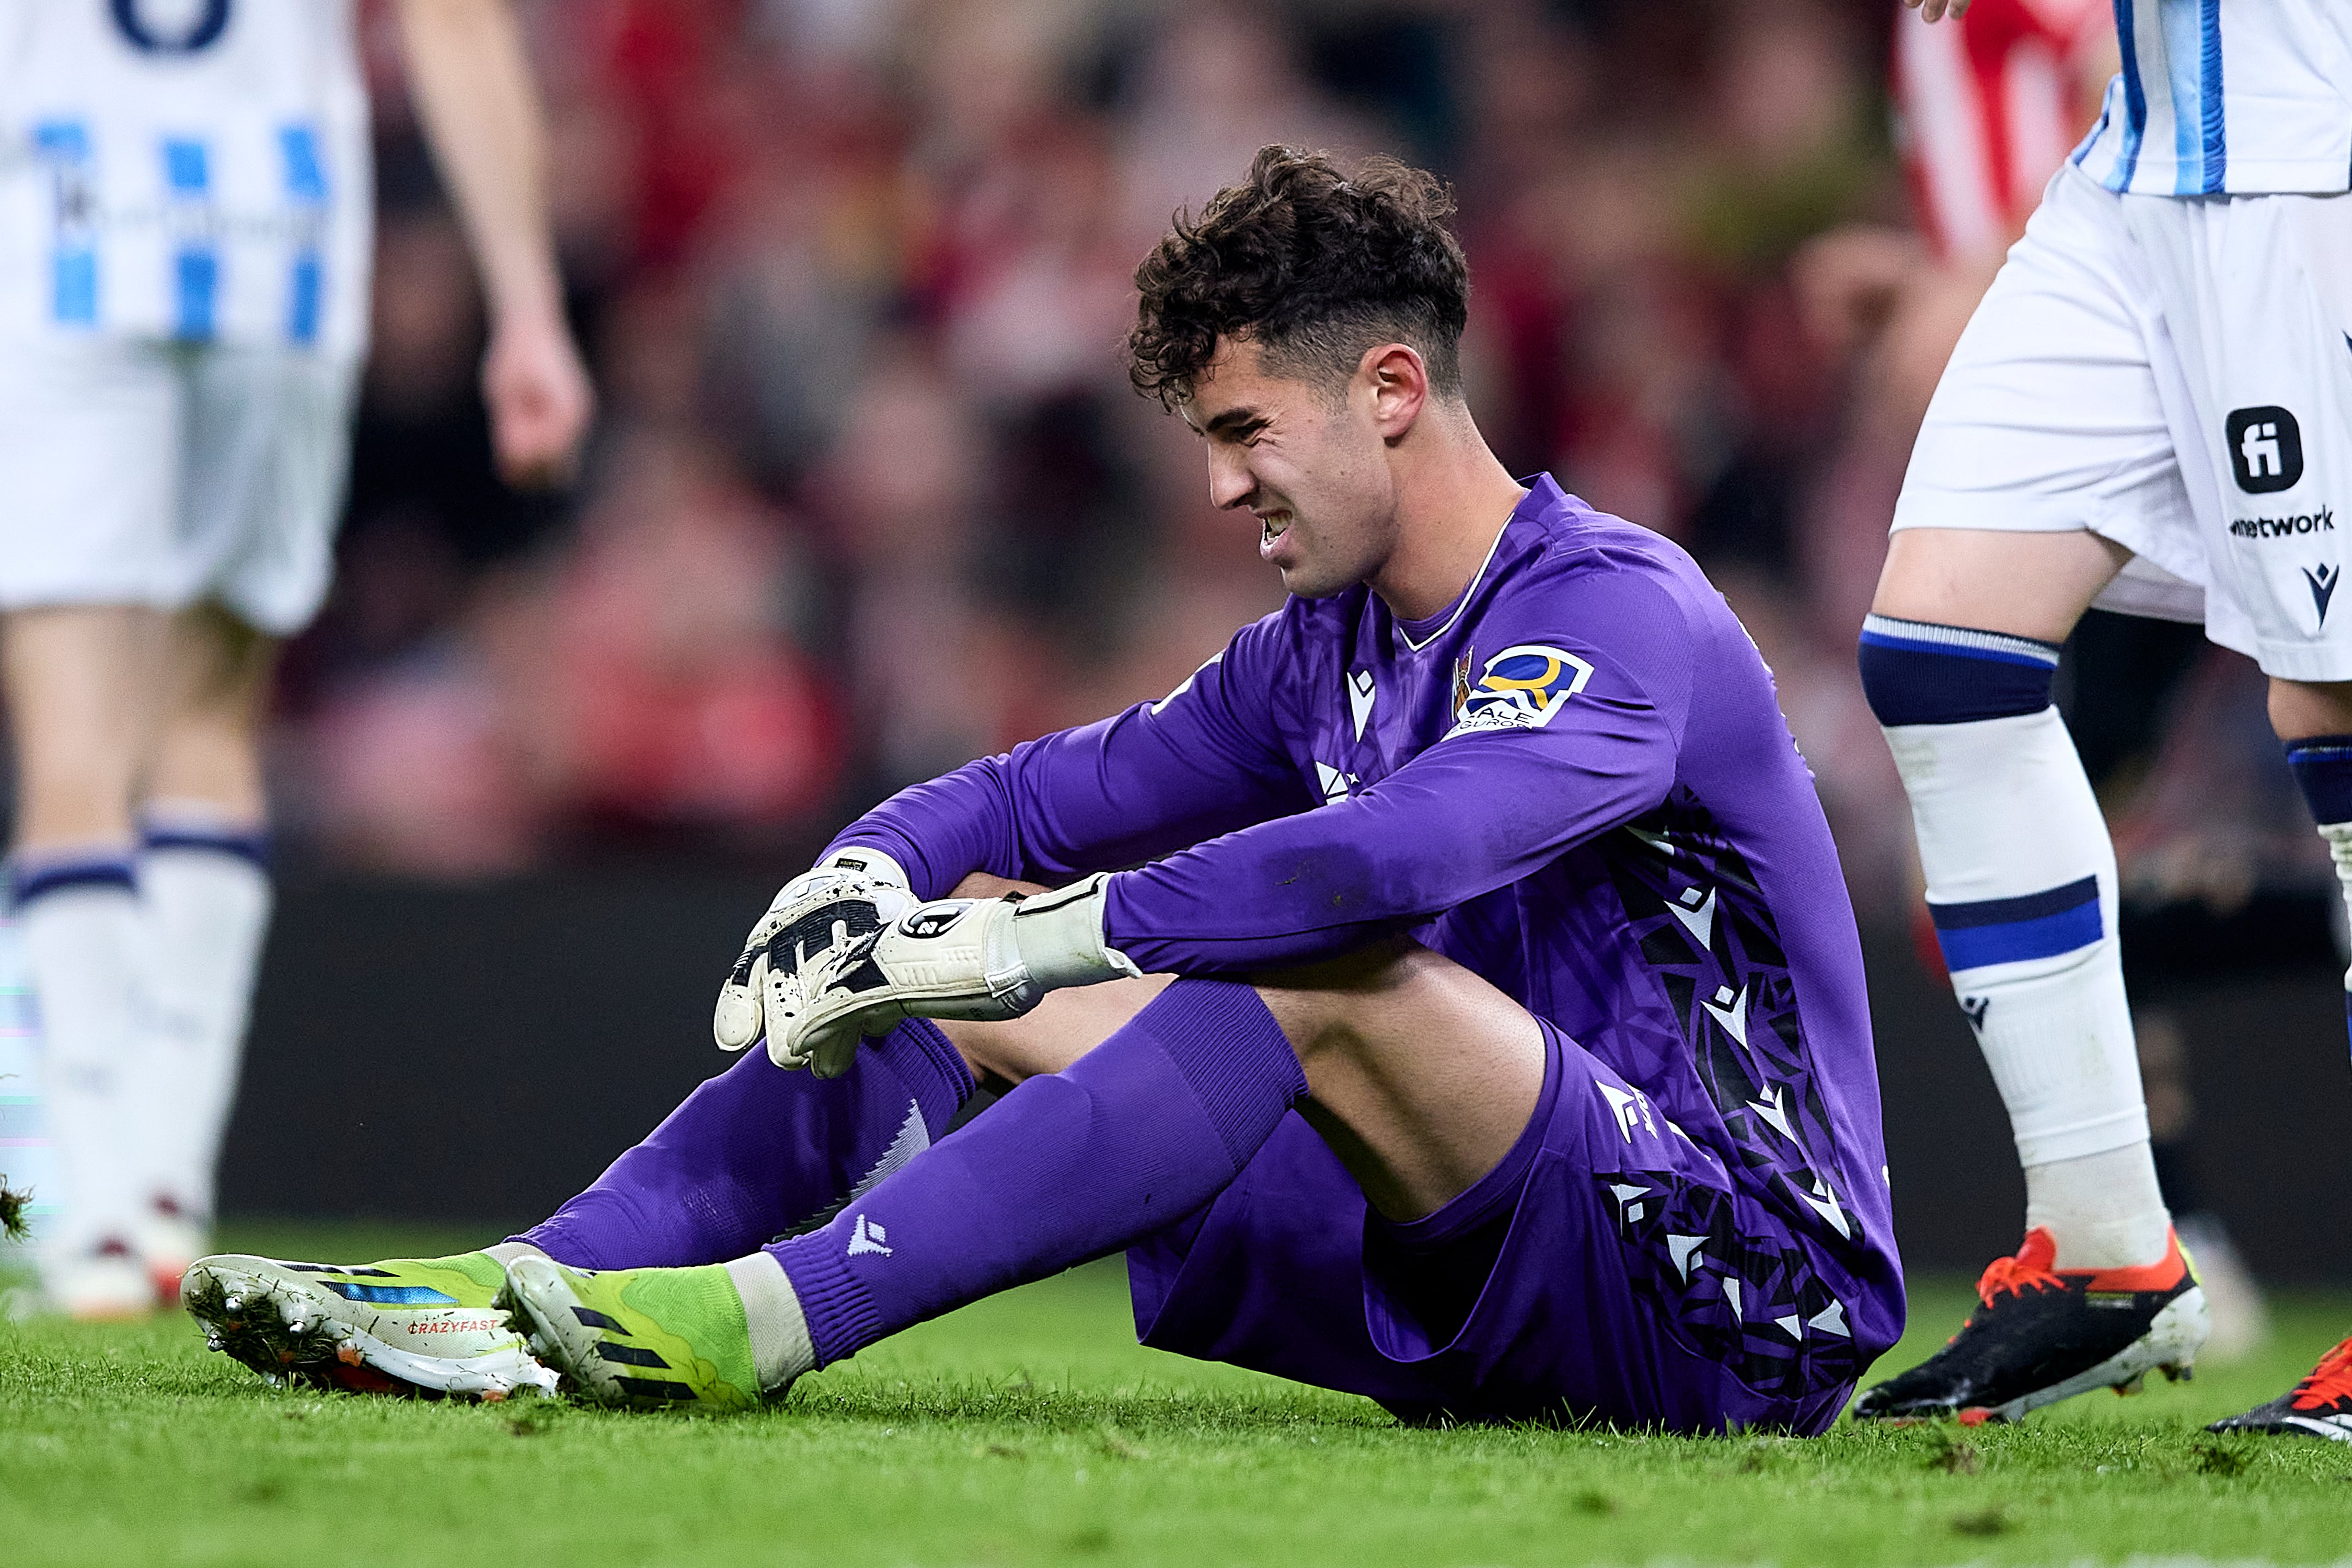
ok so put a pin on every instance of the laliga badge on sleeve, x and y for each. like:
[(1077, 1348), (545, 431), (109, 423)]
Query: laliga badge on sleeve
[(1521, 688)]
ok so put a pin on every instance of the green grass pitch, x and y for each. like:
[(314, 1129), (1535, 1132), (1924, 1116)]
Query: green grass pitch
[(1031, 1429)]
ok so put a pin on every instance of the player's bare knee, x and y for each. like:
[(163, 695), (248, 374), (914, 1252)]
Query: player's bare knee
[(219, 663), (1988, 579), (1324, 1006), (2303, 709)]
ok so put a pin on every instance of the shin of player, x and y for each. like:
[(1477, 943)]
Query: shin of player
[(204, 892), (75, 680), (2020, 879), (2021, 885)]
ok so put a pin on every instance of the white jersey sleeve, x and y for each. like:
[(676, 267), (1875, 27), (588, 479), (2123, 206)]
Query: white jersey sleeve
[(191, 170), (2227, 97)]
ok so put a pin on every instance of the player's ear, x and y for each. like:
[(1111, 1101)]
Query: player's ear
[(1397, 385)]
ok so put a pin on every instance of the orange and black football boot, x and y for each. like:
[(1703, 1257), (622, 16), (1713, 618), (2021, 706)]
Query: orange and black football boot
[(2318, 1406), (2042, 1334)]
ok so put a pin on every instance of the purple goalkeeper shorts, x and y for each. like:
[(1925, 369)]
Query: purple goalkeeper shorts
[(1632, 1283)]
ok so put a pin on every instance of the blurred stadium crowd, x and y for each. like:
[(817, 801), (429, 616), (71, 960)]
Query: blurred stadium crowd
[(870, 494)]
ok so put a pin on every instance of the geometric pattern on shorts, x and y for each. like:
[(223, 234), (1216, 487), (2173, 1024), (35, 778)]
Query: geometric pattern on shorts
[(1746, 1296)]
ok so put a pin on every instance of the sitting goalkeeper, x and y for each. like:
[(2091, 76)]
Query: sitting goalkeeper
[(1479, 1025)]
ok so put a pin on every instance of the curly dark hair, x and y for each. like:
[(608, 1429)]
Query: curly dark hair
[(1312, 265)]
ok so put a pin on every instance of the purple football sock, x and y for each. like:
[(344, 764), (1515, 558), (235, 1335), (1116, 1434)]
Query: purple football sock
[(1145, 1128), (758, 1151)]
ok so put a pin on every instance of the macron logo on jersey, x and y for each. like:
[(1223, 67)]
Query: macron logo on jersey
[(1521, 688), (1361, 693), (1629, 1108)]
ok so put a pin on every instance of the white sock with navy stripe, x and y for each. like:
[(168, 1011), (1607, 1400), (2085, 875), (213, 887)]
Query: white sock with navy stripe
[(78, 914), (205, 889), (2022, 883)]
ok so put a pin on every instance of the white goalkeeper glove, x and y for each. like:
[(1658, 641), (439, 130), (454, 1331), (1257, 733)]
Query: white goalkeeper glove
[(981, 959), (854, 893)]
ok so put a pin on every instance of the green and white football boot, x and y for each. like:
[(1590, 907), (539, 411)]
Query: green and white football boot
[(422, 1326), (661, 1339)]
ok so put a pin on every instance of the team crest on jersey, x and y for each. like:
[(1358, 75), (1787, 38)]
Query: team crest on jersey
[(1520, 688)]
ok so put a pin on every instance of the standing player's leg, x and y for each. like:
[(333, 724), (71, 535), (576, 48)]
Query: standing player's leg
[(79, 682), (1958, 658), (204, 885), (2261, 307), (2314, 720), (265, 438), (2046, 463), (90, 437)]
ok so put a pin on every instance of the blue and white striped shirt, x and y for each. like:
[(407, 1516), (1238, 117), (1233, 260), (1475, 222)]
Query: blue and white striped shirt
[(2227, 97), (186, 170)]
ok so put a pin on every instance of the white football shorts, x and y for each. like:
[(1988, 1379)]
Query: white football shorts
[(141, 472), (2173, 373)]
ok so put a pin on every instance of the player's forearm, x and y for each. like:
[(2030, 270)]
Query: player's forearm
[(474, 94), (1107, 794), (1456, 823)]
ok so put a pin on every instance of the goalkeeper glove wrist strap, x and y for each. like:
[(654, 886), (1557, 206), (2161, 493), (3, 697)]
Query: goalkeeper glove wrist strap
[(872, 864), (1059, 937)]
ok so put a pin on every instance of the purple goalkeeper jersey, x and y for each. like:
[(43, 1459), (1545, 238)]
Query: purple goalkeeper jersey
[(1574, 780)]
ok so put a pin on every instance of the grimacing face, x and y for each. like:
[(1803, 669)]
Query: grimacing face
[(1309, 466)]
